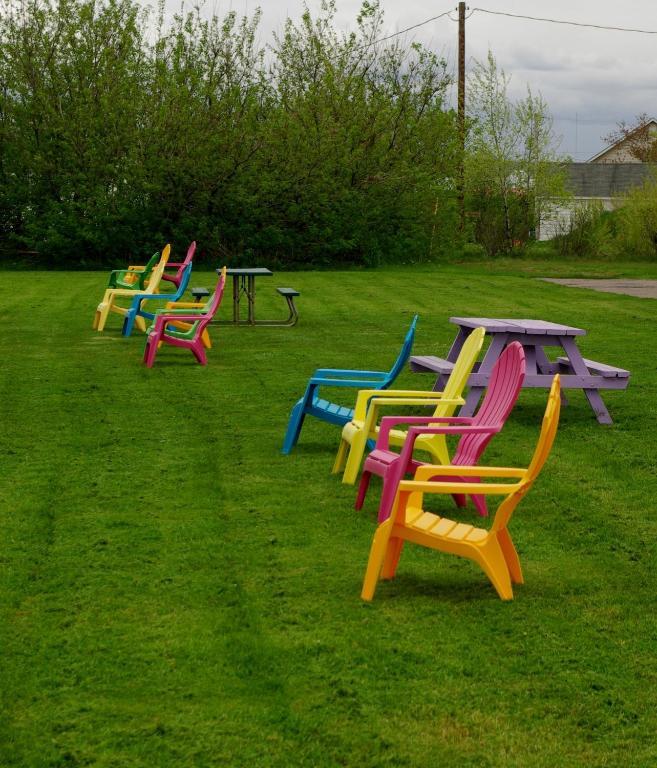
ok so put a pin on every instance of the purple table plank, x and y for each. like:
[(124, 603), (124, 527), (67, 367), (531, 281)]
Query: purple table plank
[(490, 324), (544, 327), (510, 325)]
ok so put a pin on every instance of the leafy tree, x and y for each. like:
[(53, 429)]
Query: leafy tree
[(513, 172), (116, 136)]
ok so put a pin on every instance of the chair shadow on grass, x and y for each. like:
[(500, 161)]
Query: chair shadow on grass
[(464, 587)]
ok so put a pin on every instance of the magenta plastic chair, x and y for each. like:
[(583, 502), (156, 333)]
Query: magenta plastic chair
[(505, 382), (177, 276), (183, 327)]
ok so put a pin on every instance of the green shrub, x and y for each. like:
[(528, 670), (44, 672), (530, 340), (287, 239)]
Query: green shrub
[(587, 233), (636, 223)]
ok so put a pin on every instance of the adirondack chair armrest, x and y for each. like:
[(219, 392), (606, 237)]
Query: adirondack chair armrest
[(365, 396), (442, 487), (162, 319), (121, 291), (174, 305), (175, 264), (354, 383), (389, 422), (460, 470), (377, 402), (135, 268), (462, 430), (333, 372)]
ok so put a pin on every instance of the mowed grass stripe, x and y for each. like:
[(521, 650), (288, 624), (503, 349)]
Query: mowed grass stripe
[(176, 592)]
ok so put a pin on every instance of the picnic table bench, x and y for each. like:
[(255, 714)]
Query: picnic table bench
[(244, 285), (576, 372)]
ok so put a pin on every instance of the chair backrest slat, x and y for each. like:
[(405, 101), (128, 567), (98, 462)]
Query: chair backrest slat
[(541, 452), (158, 271), (461, 371), (503, 388), (404, 354)]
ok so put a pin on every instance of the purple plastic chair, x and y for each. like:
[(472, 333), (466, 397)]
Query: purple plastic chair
[(505, 382)]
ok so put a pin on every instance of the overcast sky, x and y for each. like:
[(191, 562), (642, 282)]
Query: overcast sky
[(591, 79)]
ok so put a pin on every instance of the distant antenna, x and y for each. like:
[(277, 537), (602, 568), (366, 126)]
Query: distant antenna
[(461, 114)]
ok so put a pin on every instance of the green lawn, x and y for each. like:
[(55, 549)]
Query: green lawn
[(175, 592)]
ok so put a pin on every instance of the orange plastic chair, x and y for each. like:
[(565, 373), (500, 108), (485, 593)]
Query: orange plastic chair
[(492, 549)]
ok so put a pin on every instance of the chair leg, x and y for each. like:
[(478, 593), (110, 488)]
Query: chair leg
[(199, 353), (101, 315), (362, 489), (340, 456), (510, 555), (128, 322), (294, 425), (480, 504), (354, 458), (492, 561), (150, 350), (377, 553), (205, 339), (391, 560), (459, 499), (140, 323)]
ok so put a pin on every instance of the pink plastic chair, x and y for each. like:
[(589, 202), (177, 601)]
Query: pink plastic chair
[(505, 382), (177, 276), (183, 327)]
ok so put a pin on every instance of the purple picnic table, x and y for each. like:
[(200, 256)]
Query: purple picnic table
[(534, 335)]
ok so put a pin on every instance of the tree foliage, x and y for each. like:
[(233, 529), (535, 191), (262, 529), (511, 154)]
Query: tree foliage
[(513, 173), (118, 134)]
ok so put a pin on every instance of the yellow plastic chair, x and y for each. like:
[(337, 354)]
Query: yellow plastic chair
[(108, 304), (492, 549), (364, 425)]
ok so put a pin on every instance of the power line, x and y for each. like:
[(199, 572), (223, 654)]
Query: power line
[(408, 29), (569, 23)]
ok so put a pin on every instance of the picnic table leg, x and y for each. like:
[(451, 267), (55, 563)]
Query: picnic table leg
[(236, 299), (453, 353), (579, 367), (251, 297), (490, 358), (546, 367)]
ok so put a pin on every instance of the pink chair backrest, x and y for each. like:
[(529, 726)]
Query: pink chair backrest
[(190, 255), (503, 389), (176, 278), (213, 304)]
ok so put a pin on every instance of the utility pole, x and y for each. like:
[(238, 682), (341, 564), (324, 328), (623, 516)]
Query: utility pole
[(461, 116)]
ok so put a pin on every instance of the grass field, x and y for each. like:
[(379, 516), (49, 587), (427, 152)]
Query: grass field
[(175, 592)]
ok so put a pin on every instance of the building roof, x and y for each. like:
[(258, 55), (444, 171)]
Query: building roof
[(607, 179), (616, 145)]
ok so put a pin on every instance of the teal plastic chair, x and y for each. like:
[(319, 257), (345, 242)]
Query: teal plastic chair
[(311, 404)]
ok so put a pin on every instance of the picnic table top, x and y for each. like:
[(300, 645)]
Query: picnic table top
[(528, 327), (249, 271)]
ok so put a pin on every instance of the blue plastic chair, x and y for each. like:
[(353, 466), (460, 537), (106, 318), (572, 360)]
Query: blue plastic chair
[(136, 310), (312, 405)]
